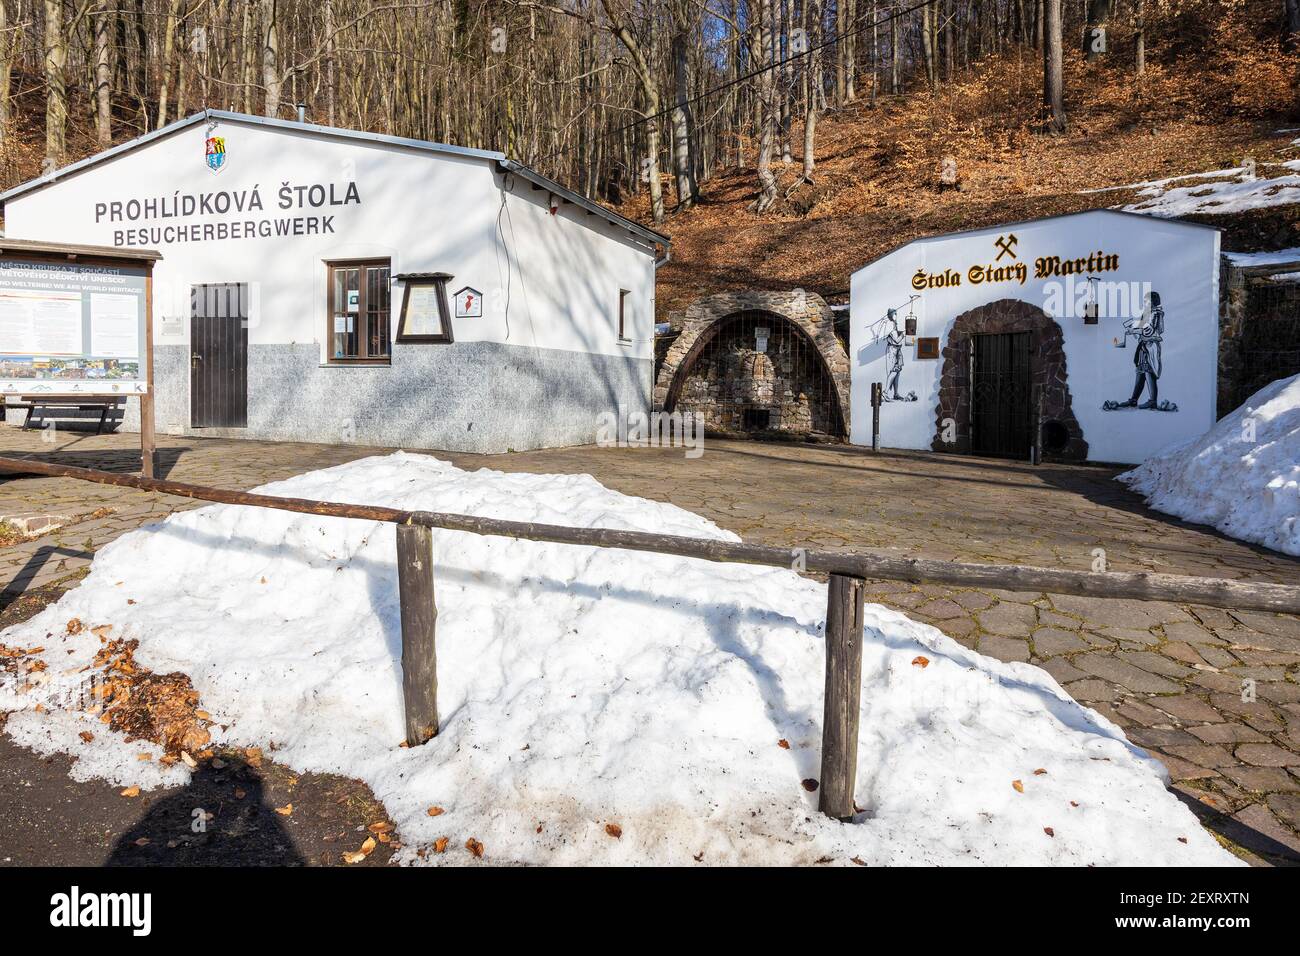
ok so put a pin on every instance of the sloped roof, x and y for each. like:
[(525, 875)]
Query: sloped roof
[(503, 163)]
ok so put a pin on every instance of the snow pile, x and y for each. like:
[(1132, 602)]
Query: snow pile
[(677, 700), (1242, 476)]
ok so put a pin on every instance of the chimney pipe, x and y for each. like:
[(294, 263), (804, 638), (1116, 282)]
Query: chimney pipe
[(302, 112)]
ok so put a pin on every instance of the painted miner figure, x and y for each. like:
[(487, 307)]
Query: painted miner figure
[(1149, 330), (894, 358)]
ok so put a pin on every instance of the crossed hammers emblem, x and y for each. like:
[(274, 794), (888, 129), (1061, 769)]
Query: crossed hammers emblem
[(1006, 245)]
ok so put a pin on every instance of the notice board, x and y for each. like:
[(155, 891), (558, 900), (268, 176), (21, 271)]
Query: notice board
[(72, 327)]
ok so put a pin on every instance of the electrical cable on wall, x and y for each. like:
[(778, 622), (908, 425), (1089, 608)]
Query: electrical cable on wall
[(507, 186)]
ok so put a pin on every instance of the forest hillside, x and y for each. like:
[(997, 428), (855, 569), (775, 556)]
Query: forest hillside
[(780, 143)]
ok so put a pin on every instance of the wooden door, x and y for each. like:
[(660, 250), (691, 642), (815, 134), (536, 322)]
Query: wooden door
[(219, 355), (1001, 413)]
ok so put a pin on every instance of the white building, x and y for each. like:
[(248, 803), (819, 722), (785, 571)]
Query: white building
[(1094, 335), (290, 252)]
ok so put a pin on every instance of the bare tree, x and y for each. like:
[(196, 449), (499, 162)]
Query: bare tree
[(761, 47), (6, 68), (1053, 83), (1140, 37), (1094, 31), (168, 60), (271, 57), (650, 99), (813, 17), (103, 23), (56, 91), (684, 159)]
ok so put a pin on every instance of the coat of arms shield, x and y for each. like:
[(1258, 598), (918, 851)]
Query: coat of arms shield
[(215, 153)]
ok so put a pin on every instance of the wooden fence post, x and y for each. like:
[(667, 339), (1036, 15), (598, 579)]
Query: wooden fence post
[(843, 695), (419, 618)]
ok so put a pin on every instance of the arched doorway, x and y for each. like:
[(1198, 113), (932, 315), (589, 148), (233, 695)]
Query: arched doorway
[(1003, 372), (759, 365)]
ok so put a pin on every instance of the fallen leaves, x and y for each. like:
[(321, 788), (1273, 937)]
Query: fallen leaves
[(440, 845), (1049, 831), (102, 631), (474, 847), (86, 736), (783, 744), (188, 760), (75, 626), (131, 792), (920, 661), (1039, 772), (1018, 786), (142, 705), (286, 810), (614, 830), (810, 784), (436, 811), (357, 856)]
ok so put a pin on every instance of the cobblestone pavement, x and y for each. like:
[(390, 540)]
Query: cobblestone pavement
[(1176, 678)]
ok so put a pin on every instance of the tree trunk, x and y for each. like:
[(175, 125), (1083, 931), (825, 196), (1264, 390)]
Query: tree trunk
[(1140, 37), (1290, 25), (168, 60), (927, 42), (841, 71), (683, 145), (851, 58), (650, 99), (6, 70), (56, 94), (1094, 31), (781, 27), (271, 58), (104, 73), (814, 20), (331, 80), (1053, 93), (895, 55), (142, 65), (761, 45)]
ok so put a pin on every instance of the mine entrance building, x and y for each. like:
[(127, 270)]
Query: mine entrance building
[(329, 285)]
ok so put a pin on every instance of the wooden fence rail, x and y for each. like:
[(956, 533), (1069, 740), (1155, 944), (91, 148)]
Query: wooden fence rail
[(847, 570)]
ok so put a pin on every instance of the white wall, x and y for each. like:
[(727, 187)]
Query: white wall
[(1180, 261), (549, 282)]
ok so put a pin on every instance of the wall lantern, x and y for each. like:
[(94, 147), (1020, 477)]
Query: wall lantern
[(761, 333), (909, 322), (1090, 310)]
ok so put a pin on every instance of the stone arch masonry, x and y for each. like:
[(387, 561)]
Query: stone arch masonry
[(1048, 373), (807, 310)]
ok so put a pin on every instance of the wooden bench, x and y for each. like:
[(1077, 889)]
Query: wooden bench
[(33, 404)]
